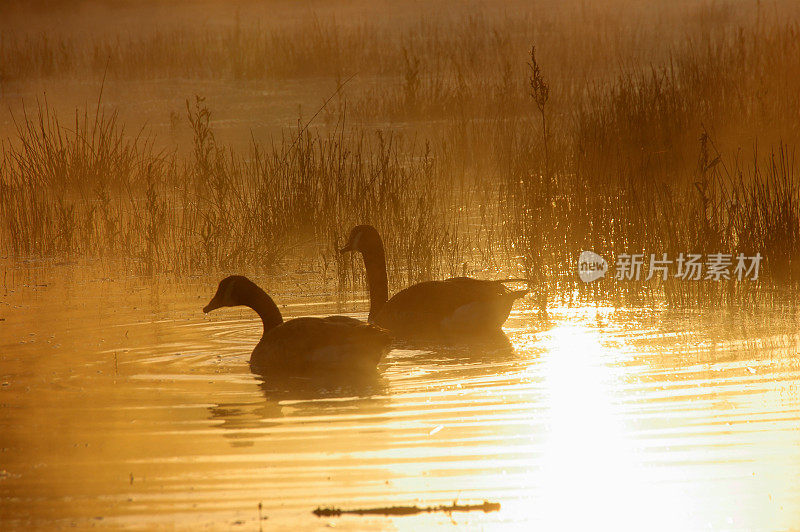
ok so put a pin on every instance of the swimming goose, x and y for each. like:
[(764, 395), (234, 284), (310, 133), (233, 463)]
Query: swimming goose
[(302, 345), (457, 306)]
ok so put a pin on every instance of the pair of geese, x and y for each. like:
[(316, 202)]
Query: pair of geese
[(428, 310)]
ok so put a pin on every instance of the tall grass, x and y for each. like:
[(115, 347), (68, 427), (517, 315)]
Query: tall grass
[(669, 130), (637, 171), (88, 190)]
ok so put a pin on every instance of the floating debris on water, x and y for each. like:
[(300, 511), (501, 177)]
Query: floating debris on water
[(486, 506)]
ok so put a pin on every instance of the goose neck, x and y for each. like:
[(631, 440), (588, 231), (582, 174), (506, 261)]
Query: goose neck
[(375, 264), (265, 307)]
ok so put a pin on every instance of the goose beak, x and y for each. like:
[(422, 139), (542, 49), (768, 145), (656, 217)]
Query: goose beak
[(212, 305)]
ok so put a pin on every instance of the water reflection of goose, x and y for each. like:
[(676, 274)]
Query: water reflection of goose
[(244, 422), (303, 345), (314, 395), (455, 307), (482, 344), (315, 386)]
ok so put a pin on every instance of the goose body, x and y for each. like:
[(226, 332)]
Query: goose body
[(456, 306), (303, 345)]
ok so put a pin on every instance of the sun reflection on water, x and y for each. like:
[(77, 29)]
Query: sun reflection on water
[(619, 451), (590, 469)]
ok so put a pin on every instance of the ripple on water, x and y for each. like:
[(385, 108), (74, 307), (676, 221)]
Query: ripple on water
[(146, 414)]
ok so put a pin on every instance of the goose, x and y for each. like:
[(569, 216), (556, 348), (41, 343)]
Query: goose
[(460, 306), (302, 345)]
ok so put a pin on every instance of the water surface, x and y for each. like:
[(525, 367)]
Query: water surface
[(122, 405)]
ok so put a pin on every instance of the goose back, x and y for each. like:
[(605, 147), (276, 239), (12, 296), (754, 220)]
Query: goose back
[(458, 305), (333, 343)]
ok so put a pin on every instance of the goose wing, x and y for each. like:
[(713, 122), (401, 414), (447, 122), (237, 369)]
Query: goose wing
[(443, 297), (459, 302), (334, 343)]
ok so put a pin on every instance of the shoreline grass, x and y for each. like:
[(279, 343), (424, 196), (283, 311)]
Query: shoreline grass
[(466, 154)]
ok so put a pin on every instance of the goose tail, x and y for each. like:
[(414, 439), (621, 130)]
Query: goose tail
[(516, 294)]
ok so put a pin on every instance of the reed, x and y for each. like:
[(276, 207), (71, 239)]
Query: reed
[(468, 151), (632, 176), (92, 192)]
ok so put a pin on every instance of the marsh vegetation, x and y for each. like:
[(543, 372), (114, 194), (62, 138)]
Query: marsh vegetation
[(468, 151)]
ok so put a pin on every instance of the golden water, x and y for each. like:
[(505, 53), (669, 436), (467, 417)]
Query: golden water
[(122, 405)]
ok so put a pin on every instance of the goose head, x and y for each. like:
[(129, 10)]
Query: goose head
[(231, 292), (237, 290), (363, 238)]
